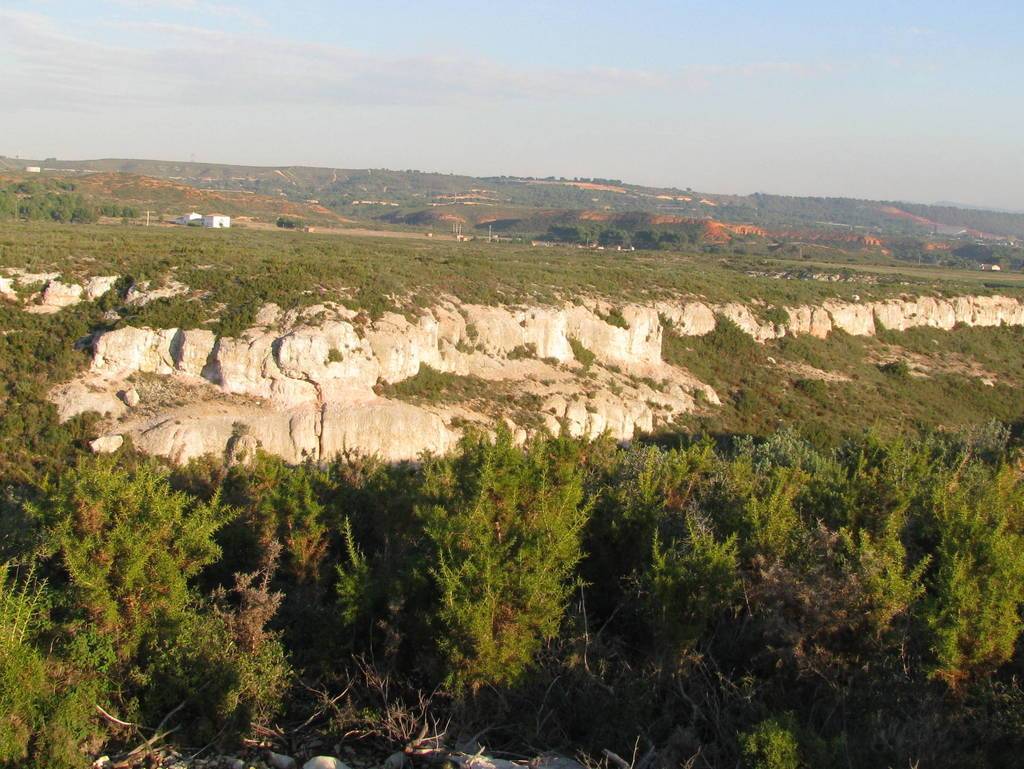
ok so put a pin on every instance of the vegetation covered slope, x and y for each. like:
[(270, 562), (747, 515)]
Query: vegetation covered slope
[(85, 198), (349, 190), (823, 595)]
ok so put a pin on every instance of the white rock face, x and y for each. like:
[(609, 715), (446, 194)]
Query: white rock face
[(402, 347), (80, 396), (637, 346), (590, 418), (129, 397), (854, 319), (107, 444), (385, 428), (689, 319), (303, 385), (191, 350), (493, 330), (811, 321), (142, 294), (547, 331), (124, 351), (98, 286), (325, 762), (23, 278), (748, 323), (56, 296)]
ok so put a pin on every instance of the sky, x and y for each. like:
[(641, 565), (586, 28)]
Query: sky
[(906, 100)]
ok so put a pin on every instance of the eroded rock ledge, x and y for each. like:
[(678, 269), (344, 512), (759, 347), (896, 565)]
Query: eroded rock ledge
[(305, 384)]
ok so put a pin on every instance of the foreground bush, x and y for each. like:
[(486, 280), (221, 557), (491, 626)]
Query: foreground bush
[(504, 527), (121, 630), (764, 604)]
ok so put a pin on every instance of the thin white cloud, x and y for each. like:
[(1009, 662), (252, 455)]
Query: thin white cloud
[(184, 64), (198, 8)]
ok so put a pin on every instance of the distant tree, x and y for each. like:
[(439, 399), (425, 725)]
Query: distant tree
[(613, 237)]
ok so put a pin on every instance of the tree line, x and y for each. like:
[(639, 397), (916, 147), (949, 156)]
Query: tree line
[(58, 202)]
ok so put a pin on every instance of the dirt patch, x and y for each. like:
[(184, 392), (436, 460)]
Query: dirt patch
[(926, 365), (807, 371)]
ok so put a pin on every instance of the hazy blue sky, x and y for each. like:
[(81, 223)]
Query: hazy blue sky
[(909, 100)]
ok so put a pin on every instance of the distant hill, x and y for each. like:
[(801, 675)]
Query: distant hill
[(164, 196), (391, 194)]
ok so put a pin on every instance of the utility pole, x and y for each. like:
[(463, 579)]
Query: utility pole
[(147, 216)]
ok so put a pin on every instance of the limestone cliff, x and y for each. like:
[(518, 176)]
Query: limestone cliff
[(308, 384)]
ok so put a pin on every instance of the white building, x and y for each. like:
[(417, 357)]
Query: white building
[(216, 221), (33, 169), (188, 218)]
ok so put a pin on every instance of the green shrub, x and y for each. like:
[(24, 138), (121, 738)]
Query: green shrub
[(523, 352), (122, 547), (898, 369), (227, 682), (770, 524), (614, 317), (688, 582), (978, 583), (24, 684), (433, 386), (772, 744), (813, 388), (283, 504), (504, 531), (584, 356), (775, 314)]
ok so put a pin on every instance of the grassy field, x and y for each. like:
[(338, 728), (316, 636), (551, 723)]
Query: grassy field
[(238, 270), (921, 272)]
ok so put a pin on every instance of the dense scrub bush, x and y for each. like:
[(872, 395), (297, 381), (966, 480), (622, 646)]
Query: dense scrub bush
[(23, 677), (504, 531), (978, 580), (772, 744), (119, 625), (765, 604), (122, 546)]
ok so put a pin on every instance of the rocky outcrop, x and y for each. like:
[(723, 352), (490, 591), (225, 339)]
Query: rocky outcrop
[(590, 417), (749, 324), (55, 296), (125, 351), (810, 321), (141, 293), (107, 444), (99, 285), (688, 319), (305, 384), (636, 346), (853, 318)]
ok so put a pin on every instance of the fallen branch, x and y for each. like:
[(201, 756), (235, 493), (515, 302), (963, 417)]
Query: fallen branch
[(158, 734), (616, 759), (114, 719)]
